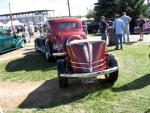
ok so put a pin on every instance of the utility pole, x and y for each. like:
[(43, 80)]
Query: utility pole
[(69, 8), (10, 15)]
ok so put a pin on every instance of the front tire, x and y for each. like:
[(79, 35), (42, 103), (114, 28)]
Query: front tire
[(112, 62), (61, 69)]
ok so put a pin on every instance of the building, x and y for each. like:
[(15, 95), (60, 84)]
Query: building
[(36, 16)]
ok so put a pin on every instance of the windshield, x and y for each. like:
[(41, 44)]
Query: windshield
[(4, 32), (67, 25)]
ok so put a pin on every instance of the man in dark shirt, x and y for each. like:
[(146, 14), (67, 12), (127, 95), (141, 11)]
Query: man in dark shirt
[(103, 28)]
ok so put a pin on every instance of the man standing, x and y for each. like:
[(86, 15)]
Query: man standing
[(141, 21), (126, 19), (31, 31), (26, 33), (103, 28), (118, 26)]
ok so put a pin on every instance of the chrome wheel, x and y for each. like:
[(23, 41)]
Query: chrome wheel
[(47, 53), (36, 46)]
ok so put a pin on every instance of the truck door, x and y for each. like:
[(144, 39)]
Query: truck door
[(7, 42)]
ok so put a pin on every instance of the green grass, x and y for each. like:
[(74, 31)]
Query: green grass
[(32, 68), (130, 94)]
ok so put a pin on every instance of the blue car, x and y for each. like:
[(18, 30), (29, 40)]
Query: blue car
[(10, 41)]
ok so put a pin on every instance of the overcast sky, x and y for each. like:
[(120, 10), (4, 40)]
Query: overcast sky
[(78, 7)]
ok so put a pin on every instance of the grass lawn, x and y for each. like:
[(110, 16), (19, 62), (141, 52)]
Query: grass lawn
[(130, 94), (28, 68)]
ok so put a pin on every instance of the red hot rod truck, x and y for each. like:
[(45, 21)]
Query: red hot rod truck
[(83, 58), (86, 58)]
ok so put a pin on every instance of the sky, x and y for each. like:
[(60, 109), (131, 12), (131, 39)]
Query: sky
[(78, 7)]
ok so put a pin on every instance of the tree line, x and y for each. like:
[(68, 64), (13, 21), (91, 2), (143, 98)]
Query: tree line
[(109, 8)]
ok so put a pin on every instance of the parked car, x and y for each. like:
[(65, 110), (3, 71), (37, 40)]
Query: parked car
[(56, 32), (86, 59), (20, 28), (10, 41), (92, 26), (146, 27)]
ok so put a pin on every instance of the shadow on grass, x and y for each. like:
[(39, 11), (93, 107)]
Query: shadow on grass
[(30, 63), (148, 111), (113, 49), (135, 85), (49, 94), (130, 43)]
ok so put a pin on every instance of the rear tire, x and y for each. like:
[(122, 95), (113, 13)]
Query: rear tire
[(61, 69), (112, 62)]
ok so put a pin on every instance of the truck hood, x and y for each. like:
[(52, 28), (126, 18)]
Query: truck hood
[(62, 37), (86, 55), (68, 33)]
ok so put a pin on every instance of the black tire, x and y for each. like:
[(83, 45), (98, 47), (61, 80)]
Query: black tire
[(112, 62), (61, 69)]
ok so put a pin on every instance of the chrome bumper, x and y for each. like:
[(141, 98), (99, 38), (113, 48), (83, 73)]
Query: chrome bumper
[(92, 74), (60, 54)]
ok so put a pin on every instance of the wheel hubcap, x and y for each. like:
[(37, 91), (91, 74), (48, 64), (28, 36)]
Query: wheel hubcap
[(47, 55)]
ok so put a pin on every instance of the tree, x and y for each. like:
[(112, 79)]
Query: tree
[(148, 9), (133, 8), (90, 14), (107, 8)]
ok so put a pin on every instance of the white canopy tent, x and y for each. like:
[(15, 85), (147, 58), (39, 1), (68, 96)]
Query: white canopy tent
[(1, 24), (15, 23)]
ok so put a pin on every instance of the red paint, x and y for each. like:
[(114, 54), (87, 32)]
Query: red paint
[(58, 31), (76, 57)]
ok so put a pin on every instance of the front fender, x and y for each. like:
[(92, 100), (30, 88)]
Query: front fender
[(19, 42)]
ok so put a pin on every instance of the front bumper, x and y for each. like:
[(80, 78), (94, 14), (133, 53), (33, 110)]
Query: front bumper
[(91, 74), (60, 54)]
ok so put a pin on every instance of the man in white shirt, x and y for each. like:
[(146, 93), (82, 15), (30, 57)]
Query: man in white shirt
[(118, 26), (126, 19)]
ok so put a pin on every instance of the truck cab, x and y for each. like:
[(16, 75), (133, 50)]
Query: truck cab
[(56, 32)]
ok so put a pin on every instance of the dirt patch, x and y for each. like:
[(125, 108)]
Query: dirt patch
[(45, 94), (13, 93)]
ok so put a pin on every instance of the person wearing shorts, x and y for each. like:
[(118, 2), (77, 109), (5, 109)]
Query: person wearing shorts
[(140, 22)]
